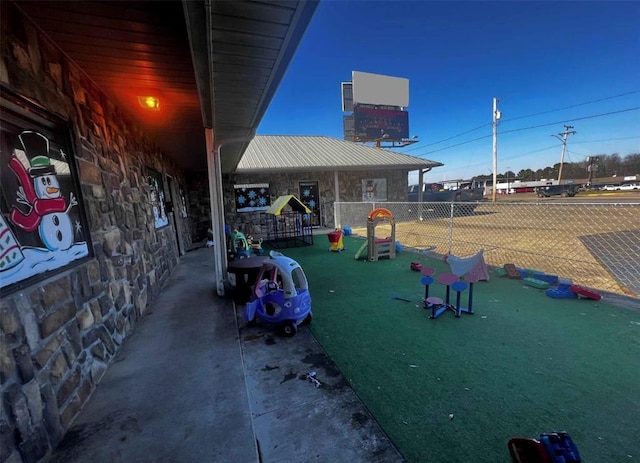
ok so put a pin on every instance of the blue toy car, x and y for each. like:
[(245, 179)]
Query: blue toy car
[(281, 295)]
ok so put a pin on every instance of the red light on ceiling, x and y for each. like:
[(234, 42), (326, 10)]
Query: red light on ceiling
[(149, 102)]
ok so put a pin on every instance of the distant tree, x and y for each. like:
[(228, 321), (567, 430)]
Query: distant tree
[(526, 175), (573, 170), (607, 166), (631, 164), (611, 165)]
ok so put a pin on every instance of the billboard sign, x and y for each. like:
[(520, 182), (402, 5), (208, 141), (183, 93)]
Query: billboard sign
[(347, 97), (377, 89), (374, 123), (348, 127)]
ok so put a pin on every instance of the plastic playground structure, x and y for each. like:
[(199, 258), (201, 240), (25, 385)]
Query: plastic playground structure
[(336, 241), (238, 246), (379, 247), (464, 273)]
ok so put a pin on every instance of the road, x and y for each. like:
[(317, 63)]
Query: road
[(625, 197)]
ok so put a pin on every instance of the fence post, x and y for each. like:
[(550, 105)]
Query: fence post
[(451, 228), (337, 220)]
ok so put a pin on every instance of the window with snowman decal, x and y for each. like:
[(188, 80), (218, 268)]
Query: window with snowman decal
[(43, 228), (374, 189), (157, 198)]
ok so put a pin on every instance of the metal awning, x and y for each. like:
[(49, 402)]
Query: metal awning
[(214, 64)]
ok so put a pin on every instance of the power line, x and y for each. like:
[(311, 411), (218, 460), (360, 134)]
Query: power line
[(605, 139), (572, 120), (453, 146), (579, 154), (529, 128), (447, 139), (521, 117), (505, 158), (573, 106)]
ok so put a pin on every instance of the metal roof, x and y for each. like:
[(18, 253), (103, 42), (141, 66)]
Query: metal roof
[(292, 153)]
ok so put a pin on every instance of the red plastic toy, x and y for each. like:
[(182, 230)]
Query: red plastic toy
[(584, 292)]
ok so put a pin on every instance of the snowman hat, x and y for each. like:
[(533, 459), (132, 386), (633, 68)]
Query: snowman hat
[(36, 147)]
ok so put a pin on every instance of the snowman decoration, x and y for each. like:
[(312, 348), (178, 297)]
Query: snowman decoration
[(40, 191)]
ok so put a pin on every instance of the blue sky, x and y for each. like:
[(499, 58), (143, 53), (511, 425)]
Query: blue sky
[(535, 56)]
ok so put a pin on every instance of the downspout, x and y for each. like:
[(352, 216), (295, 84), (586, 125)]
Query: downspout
[(421, 190), (336, 194)]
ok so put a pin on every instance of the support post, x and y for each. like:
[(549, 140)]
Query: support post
[(214, 171)]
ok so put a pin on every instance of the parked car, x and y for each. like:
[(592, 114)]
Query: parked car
[(433, 192), (556, 190), (463, 201), (630, 186), (611, 187)]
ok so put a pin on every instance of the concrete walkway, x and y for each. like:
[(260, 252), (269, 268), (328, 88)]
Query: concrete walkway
[(194, 384)]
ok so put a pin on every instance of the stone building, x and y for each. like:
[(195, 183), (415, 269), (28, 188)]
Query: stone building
[(115, 133), (104, 188), (319, 171)]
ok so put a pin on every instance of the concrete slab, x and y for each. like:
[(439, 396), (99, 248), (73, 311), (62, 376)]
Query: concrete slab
[(296, 421), (175, 391), (194, 384)]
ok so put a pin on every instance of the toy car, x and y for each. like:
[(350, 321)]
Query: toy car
[(281, 295)]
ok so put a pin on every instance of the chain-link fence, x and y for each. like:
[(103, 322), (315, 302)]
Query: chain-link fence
[(596, 245)]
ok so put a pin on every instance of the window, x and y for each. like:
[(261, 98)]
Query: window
[(43, 226), (252, 197), (158, 198)]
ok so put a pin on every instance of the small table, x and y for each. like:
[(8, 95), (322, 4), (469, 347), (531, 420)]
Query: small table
[(246, 272)]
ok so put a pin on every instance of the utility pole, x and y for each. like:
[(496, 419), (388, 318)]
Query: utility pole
[(496, 118), (564, 135), (592, 167)]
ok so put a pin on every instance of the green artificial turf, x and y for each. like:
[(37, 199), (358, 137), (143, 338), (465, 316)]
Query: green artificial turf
[(522, 365)]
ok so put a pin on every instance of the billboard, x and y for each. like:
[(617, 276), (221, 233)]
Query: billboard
[(373, 123), (380, 90), (347, 97), (348, 127)]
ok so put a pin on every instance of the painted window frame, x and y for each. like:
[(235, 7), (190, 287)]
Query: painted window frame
[(158, 197), (245, 189), (32, 230), (374, 189)]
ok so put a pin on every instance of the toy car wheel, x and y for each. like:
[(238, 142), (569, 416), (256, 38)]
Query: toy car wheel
[(307, 319), (289, 329)]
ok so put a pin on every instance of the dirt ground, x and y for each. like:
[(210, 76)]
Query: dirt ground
[(582, 239)]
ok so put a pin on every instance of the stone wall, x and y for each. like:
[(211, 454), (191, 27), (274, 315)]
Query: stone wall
[(199, 207), (287, 183), (58, 337)]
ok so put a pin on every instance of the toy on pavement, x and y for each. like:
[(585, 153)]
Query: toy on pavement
[(281, 294)]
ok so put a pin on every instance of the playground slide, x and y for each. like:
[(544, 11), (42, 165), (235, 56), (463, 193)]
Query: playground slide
[(362, 248)]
